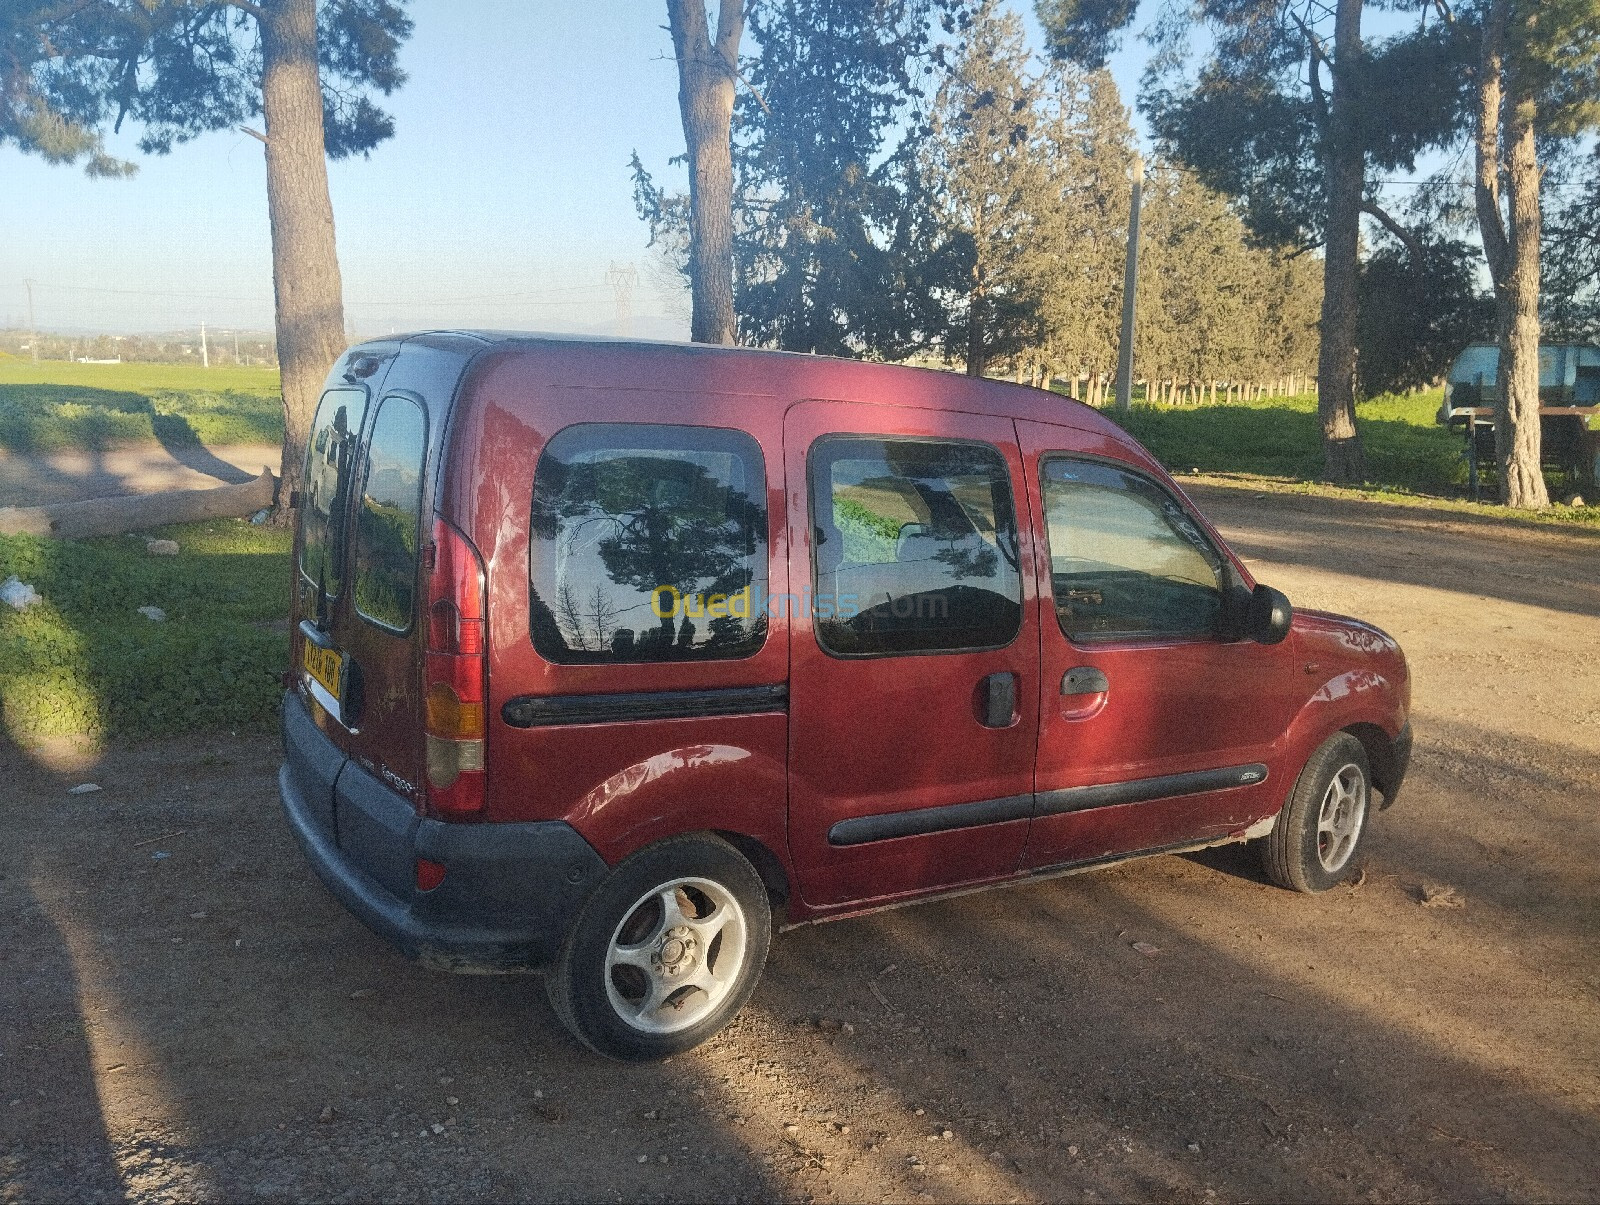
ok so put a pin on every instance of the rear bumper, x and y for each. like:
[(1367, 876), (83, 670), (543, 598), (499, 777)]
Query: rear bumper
[(510, 891)]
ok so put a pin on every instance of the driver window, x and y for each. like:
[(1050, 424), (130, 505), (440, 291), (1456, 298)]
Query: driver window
[(1126, 560)]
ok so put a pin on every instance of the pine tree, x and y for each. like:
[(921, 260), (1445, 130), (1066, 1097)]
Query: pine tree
[(36, 116), (992, 190), (308, 71), (822, 230), (1088, 143), (1286, 109)]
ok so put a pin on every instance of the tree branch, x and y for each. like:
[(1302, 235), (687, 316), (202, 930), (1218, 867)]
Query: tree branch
[(1319, 55), (1412, 243), (754, 91), (255, 10), (1317, 48), (262, 138)]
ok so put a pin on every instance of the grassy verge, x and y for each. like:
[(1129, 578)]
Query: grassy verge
[(1275, 445), (84, 662), (1281, 437), (54, 406), (1557, 516)]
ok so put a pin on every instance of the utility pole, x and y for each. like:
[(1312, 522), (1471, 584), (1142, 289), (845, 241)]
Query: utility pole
[(623, 279), (33, 331), (1130, 291), (236, 349), (205, 352)]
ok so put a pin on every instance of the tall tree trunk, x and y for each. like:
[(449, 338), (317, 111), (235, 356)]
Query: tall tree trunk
[(1517, 432), (305, 259), (706, 77), (976, 356), (1344, 164), (1513, 257)]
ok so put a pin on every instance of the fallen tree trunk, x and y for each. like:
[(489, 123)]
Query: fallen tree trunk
[(135, 512)]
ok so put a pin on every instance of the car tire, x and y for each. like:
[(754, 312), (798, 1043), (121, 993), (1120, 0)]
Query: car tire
[(1313, 845), (665, 952)]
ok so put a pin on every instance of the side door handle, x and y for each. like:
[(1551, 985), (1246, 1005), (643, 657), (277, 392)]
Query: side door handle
[(1084, 680), (1083, 692), (995, 700)]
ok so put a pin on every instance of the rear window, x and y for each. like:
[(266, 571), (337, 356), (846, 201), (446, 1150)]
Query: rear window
[(648, 543), (330, 463), (389, 524)]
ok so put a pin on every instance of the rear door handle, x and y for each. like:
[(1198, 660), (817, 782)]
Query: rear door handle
[(1084, 690), (996, 700), (1084, 680)]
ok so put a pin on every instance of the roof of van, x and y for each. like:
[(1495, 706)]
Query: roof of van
[(949, 389)]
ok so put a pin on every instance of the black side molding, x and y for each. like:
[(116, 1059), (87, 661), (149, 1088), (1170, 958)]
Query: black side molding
[(530, 711), (862, 829), (1142, 790), (922, 821)]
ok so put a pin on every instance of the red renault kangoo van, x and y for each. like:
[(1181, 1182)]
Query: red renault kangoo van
[(612, 656)]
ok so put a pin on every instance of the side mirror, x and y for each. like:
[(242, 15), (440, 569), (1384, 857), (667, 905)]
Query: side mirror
[(1268, 617)]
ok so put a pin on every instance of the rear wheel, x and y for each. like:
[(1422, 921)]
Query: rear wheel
[(665, 952), (1313, 845)]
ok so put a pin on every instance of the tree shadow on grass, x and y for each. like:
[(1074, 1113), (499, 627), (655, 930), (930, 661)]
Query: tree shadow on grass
[(36, 420), (177, 435)]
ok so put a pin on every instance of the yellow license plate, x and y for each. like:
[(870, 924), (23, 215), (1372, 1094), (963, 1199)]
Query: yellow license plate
[(324, 665)]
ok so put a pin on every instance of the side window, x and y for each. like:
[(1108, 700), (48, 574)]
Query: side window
[(330, 463), (1126, 560), (388, 525), (648, 543), (916, 547)]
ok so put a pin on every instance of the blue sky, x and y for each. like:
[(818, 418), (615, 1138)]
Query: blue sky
[(501, 201)]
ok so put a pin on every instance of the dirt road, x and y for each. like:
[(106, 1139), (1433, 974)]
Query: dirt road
[(187, 1014)]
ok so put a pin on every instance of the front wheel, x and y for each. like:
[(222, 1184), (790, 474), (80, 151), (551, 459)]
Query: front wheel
[(665, 952), (1314, 843)]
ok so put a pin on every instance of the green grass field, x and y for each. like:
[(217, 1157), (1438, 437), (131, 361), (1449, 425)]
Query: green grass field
[(52, 405), (85, 662), (1281, 437), (1275, 444)]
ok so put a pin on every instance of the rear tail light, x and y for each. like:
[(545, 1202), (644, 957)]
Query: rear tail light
[(454, 689)]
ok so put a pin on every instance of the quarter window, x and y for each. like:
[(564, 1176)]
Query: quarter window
[(1126, 559), (915, 547), (330, 465), (389, 523), (648, 543)]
